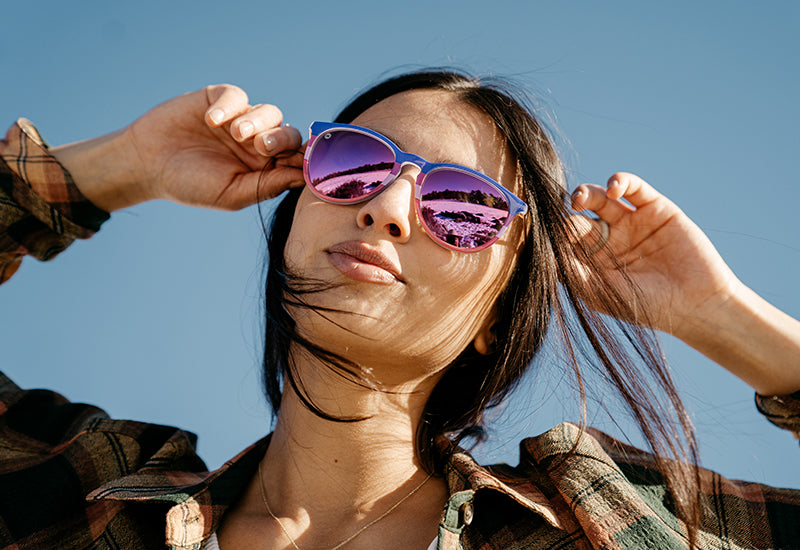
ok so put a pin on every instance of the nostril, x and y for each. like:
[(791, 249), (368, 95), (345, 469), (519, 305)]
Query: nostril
[(394, 230), (368, 220)]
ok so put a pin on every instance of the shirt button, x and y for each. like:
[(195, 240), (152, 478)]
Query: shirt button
[(467, 513)]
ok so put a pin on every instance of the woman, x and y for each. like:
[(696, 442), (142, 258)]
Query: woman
[(399, 308)]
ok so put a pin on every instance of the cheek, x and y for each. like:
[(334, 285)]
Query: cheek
[(471, 283), (313, 221), (458, 302), (298, 233)]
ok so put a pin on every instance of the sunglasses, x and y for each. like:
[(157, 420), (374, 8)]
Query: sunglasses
[(460, 208)]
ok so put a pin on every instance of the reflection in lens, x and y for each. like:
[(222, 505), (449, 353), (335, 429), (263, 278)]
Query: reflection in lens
[(348, 165), (460, 209)]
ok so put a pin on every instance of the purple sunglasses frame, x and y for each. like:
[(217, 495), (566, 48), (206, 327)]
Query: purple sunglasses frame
[(401, 158)]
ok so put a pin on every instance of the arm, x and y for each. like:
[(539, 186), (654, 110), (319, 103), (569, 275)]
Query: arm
[(207, 148), (41, 209), (688, 289), (751, 338)]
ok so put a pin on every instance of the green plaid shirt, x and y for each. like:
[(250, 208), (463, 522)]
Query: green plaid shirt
[(70, 477)]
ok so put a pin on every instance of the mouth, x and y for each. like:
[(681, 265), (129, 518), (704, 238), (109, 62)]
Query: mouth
[(361, 262)]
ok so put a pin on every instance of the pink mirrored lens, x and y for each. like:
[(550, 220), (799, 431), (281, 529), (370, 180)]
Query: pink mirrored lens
[(348, 165), (461, 209)]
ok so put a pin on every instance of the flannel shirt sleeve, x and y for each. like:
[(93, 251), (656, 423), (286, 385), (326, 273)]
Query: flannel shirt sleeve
[(41, 209), (781, 410)]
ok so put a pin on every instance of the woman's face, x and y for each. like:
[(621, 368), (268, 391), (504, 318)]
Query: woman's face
[(411, 305)]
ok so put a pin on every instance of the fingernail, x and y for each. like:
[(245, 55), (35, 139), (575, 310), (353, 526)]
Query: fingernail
[(246, 128), (269, 143), (577, 193), (216, 116)]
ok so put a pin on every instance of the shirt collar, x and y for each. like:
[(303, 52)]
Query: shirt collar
[(463, 473), (199, 499)]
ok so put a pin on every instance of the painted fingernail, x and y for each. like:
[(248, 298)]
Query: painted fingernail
[(246, 129), (217, 116), (269, 143)]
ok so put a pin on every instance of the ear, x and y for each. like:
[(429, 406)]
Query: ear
[(486, 337)]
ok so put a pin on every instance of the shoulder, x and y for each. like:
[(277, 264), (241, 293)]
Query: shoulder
[(619, 490), (38, 426), (53, 453)]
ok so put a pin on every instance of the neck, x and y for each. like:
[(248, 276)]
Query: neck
[(353, 462), (326, 480)]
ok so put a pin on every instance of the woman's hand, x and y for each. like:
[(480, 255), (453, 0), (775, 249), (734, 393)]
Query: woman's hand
[(206, 148), (685, 288), (678, 270)]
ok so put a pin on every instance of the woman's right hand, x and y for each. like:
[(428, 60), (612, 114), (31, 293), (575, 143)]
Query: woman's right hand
[(205, 148)]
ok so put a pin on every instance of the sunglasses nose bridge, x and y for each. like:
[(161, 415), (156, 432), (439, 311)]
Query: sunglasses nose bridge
[(409, 159)]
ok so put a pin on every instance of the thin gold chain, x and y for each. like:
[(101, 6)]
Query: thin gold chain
[(351, 537)]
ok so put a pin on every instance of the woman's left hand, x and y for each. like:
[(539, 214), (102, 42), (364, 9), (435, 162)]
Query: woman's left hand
[(684, 287), (662, 251)]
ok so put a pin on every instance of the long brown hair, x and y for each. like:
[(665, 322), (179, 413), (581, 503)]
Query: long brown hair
[(545, 293)]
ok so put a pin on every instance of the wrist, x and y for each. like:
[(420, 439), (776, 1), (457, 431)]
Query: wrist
[(750, 338), (702, 318), (105, 170)]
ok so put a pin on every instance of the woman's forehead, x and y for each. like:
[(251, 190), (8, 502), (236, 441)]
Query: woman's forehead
[(440, 127)]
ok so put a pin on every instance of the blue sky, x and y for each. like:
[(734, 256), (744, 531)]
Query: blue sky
[(157, 317)]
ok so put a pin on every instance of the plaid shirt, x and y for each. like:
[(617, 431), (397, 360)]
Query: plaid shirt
[(70, 477)]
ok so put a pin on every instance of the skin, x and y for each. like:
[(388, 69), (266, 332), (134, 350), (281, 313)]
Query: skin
[(689, 290), (206, 149), (414, 327), (176, 151)]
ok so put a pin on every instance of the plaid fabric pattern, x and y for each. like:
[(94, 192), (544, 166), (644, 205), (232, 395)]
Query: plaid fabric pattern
[(41, 209), (71, 478)]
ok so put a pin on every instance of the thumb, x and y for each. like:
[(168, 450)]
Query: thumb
[(592, 234), (251, 187)]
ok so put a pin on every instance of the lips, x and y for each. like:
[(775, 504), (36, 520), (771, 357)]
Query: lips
[(360, 261)]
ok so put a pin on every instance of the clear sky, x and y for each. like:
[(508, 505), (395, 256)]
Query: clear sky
[(157, 317)]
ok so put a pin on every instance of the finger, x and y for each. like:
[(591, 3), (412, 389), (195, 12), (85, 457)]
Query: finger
[(278, 140), (290, 158), (632, 188), (581, 224), (251, 187), (590, 233), (258, 119), (225, 102), (591, 236), (595, 198)]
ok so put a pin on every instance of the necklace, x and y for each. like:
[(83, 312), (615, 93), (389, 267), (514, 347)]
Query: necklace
[(351, 537)]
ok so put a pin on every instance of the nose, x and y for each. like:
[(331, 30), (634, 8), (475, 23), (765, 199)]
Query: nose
[(390, 211)]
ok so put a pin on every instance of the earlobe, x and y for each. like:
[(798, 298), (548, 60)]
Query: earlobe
[(485, 339)]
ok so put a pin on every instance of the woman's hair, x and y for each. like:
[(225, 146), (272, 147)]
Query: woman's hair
[(546, 292)]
